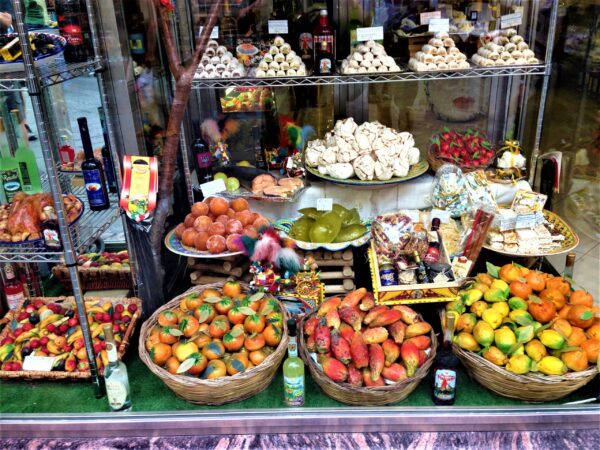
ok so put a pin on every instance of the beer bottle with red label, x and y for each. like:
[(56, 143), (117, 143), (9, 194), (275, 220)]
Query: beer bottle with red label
[(73, 26)]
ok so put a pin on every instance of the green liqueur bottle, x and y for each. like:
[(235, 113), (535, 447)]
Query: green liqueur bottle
[(29, 173), (293, 370), (10, 183)]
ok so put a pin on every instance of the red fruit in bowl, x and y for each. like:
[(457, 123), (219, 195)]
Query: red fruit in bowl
[(44, 340), (106, 317), (38, 304), (27, 327), (119, 308), (126, 319), (22, 316), (116, 316), (132, 307), (64, 327), (72, 321), (97, 347), (116, 328), (18, 332)]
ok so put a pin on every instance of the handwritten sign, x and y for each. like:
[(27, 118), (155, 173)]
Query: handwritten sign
[(212, 187), (436, 25), (368, 34), (324, 204), (278, 27)]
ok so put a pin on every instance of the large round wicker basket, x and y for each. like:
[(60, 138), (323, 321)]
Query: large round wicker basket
[(364, 396), (220, 390), (532, 387)]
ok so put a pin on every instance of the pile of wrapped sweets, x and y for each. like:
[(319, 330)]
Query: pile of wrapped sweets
[(280, 61), (440, 53), (369, 57), (505, 49), (218, 62)]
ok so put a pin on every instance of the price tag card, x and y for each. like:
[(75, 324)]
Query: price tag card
[(444, 216), (278, 27), (212, 187), (427, 16), (214, 33), (39, 363), (511, 20), (324, 204), (368, 34), (436, 25)]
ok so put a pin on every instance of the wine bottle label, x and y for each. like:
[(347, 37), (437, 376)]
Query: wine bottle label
[(306, 45), (94, 187), (325, 66), (325, 38), (111, 352), (51, 238), (204, 159), (10, 183), (444, 387), (294, 390), (116, 394), (292, 347), (72, 33)]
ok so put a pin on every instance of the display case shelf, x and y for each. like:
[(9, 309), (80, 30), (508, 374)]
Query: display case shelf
[(57, 71), (84, 232), (473, 72)]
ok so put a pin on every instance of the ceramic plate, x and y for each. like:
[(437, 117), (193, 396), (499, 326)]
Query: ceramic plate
[(175, 245), (415, 171), (569, 243), (285, 225)]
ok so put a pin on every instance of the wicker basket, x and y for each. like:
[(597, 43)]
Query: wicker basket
[(532, 387), (94, 278), (220, 390), (60, 375), (364, 396)]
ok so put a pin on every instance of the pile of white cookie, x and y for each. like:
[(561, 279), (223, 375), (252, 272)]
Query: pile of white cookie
[(440, 53), (369, 57), (505, 48), (370, 151), (280, 61), (218, 62)]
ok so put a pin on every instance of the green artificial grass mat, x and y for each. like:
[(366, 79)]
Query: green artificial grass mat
[(149, 394)]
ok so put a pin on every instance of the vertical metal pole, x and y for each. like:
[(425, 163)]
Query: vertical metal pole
[(40, 112), (110, 131), (548, 70)]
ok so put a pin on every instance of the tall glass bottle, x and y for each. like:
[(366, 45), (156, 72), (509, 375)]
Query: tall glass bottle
[(72, 25), (10, 182), (29, 173), (228, 30), (116, 379), (107, 161), (569, 265), (303, 37), (50, 230), (324, 32), (446, 363), (93, 173), (324, 63), (203, 161), (293, 370), (13, 289)]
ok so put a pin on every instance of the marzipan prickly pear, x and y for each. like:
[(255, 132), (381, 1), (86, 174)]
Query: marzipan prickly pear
[(466, 322), (504, 339), (340, 347), (373, 313), (397, 330), (422, 357), (552, 339), (375, 335), (322, 337), (335, 370), (466, 341), (391, 351), (535, 350), (483, 333), (367, 303), (422, 342), (310, 325), (417, 329), (408, 315), (333, 319), (311, 345), (353, 298), (328, 305), (519, 364), (396, 372), (410, 356), (359, 351), (386, 318), (351, 316), (354, 376), (368, 380), (346, 331), (376, 360)]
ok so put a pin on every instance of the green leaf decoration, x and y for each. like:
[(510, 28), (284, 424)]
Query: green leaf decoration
[(492, 270), (256, 297), (175, 332), (235, 332), (586, 315), (212, 299), (186, 365), (204, 314), (247, 311)]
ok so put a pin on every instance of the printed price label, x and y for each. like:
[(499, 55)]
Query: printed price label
[(324, 204), (511, 20), (278, 27), (39, 363), (214, 33), (444, 216), (427, 16), (368, 34), (436, 25), (212, 187)]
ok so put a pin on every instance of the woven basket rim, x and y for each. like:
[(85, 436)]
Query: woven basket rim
[(191, 381), (61, 374), (321, 378), (548, 380)]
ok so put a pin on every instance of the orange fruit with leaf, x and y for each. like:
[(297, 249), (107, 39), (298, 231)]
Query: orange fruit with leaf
[(520, 289), (555, 296), (167, 318), (169, 334), (205, 313), (254, 342), (233, 340), (189, 326), (172, 364), (509, 273), (214, 369), (254, 323), (541, 309), (202, 339), (223, 306), (272, 335), (199, 364), (160, 353), (581, 297), (213, 350), (581, 316), (536, 279), (232, 288), (558, 283), (219, 326)]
